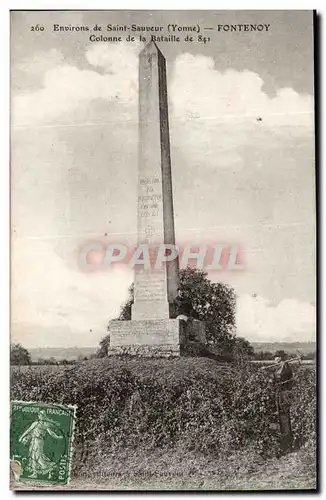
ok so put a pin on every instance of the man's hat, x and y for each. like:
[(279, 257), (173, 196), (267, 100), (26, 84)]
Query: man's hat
[(280, 354)]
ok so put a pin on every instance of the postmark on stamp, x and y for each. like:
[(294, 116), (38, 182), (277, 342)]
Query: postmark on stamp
[(41, 440)]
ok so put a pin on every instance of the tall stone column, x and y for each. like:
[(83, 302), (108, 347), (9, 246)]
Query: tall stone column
[(155, 289)]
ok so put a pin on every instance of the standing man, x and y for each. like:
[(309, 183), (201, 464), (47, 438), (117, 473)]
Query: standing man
[(282, 379)]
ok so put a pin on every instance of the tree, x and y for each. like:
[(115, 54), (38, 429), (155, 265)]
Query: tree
[(264, 355), (198, 298), (212, 303), (19, 355), (102, 352), (242, 349), (125, 312)]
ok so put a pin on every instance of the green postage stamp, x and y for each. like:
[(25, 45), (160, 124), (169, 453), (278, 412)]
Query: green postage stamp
[(41, 439)]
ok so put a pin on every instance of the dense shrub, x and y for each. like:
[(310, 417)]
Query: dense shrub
[(19, 355), (191, 403)]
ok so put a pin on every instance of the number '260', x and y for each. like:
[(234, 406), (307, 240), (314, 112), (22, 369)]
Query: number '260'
[(37, 27)]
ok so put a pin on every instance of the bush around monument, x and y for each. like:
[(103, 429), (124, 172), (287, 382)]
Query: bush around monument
[(192, 403)]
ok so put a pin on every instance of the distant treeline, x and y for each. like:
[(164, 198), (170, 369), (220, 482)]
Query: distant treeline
[(24, 358), (54, 361), (259, 356), (268, 355)]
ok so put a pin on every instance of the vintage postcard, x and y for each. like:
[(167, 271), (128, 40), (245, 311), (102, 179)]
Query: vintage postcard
[(163, 244)]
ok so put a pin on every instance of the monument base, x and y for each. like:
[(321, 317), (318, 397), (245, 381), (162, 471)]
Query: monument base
[(154, 337), (146, 351)]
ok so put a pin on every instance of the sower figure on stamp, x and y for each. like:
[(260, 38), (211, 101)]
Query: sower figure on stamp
[(34, 437)]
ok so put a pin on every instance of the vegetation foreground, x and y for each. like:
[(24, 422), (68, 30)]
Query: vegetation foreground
[(186, 423)]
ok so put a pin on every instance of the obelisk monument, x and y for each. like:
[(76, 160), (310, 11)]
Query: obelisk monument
[(152, 331), (155, 290)]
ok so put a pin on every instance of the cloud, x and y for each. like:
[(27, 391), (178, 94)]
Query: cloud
[(215, 115), (66, 88), (49, 294), (289, 321), (40, 63), (200, 92), (115, 59)]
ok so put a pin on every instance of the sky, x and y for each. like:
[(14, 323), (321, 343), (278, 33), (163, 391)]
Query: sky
[(235, 178)]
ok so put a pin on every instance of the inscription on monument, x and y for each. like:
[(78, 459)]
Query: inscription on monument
[(150, 286), (149, 200), (141, 332)]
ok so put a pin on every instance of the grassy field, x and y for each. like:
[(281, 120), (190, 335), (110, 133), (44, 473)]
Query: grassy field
[(40, 368), (306, 362), (177, 470)]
